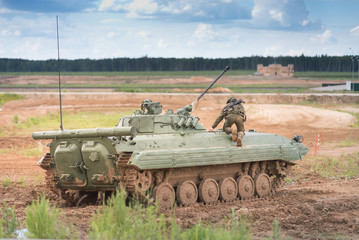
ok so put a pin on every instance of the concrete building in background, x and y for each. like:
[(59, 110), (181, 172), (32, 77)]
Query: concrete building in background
[(276, 69)]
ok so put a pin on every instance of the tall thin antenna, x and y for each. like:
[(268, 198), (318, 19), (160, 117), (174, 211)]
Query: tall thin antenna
[(59, 66)]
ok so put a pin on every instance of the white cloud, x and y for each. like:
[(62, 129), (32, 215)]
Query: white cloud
[(111, 34), (325, 37), (279, 14), (305, 22), (106, 4), (30, 46), (298, 52), (180, 10), (355, 30), (202, 33), (9, 33), (272, 50), (138, 7), (162, 44), (142, 34), (276, 15), (5, 10)]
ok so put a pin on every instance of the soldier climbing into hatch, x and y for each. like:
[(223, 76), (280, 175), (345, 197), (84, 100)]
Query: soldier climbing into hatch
[(148, 107), (233, 113)]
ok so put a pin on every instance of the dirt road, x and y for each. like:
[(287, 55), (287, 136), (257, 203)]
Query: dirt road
[(308, 207)]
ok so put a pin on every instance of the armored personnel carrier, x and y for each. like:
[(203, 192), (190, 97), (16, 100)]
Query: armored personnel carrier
[(168, 156)]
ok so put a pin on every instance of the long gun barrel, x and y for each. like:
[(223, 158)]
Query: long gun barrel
[(84, 133), (225, 70)]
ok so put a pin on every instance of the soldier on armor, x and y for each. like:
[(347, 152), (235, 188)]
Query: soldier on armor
[(144, 105), (233, 113)]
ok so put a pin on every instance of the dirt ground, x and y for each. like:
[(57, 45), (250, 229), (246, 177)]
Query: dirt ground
[(310, 207)]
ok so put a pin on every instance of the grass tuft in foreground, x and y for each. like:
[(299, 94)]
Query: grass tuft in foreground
[(8, 222), (43, 221), (119, 221), (346, 166)]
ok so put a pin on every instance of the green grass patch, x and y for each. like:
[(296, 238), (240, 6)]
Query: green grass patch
[(329, 75), (356, 123), (113, 222), (349, 142), (326, 75), (346, 166), (7, 97), (43, 221), (22, 181), (8, 222), (51, 121), (134, 74), (119, 221), (27, 151), (5, 181)]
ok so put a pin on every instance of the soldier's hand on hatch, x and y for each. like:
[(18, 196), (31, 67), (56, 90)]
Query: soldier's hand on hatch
[(210, 130)]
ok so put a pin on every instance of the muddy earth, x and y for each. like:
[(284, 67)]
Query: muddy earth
[(308, 206)]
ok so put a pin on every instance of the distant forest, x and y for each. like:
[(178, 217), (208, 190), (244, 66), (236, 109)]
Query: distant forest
[(301, 63)]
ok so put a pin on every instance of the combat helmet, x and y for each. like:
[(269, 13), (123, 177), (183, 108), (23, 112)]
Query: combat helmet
[(144, 105), (231, 99)]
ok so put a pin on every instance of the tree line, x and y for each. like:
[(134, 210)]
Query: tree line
[(301, 63)]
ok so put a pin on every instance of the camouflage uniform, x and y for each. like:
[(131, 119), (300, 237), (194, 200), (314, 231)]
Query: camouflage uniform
[(232, 115)]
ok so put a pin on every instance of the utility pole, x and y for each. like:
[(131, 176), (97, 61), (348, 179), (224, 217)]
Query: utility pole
[(358, 66)]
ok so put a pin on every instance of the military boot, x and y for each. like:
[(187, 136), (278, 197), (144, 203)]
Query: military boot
[(234, 135), (239, 139), (239, 142)]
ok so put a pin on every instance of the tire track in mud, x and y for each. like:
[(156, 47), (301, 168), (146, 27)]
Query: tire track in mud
[(304, 212)]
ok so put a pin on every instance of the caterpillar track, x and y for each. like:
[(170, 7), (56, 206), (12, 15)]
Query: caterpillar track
[(207, 185), (186, 186)]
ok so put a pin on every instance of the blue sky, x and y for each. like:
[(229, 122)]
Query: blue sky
[(178, 28)]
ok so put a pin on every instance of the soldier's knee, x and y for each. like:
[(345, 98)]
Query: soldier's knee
[(228, 130)]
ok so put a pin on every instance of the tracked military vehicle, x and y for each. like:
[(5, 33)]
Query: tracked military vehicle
[(169, 156)]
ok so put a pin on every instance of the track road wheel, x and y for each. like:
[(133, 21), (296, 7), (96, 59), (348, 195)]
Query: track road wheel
[(187, 193), (144, 180), (228, 189), (164, 195), (263, 184), (208, 191), (245, 187)]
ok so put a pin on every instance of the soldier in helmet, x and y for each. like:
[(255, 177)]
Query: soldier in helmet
[(144, 106), (149, 107), (233, 113)]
